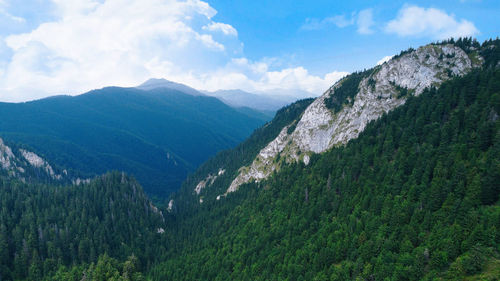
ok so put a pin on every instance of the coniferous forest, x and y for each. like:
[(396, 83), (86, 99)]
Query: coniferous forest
[(414, 197)]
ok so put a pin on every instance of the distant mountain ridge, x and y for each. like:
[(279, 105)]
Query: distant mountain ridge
[(265, 101), (159, 135), (262, 101), (155, 83)]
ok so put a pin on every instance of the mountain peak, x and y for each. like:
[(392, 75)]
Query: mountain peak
[(158, 83)]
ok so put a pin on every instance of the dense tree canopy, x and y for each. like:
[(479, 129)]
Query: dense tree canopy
[(44, 227)]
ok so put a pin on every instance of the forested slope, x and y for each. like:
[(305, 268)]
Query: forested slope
[(414, 197), (45, 228)]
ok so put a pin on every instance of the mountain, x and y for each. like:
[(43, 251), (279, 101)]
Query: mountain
[(345, 109), (158, 135), (155, 83), (262, 102), (390, 175)]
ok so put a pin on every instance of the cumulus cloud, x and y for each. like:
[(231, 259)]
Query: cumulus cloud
[(94, 43), (365, 21), (429, 22), (221, 27)]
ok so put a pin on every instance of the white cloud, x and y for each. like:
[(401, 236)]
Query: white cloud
[(430, 22), (317, 24), (96, 43), (221, 27), (365, 21), (3, 12), (209, 42), (384, 59)]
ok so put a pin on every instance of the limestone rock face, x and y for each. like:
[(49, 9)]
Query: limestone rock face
[(6, 156), (320, 129), (18, 162), (209, 180), (38, 162), (264, 164)]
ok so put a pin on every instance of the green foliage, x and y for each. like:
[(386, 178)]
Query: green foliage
[(402, 91), (106, 269), (468, 44), (490, 50), (402, 53), (158, 136), (347, 90)]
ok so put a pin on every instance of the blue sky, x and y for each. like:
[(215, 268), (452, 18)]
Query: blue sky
[(50, 47), (273, 28)]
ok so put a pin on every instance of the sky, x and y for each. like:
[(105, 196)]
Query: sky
[(54, 47)]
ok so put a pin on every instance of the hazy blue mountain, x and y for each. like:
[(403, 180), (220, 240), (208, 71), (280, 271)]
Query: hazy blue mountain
[(158, 135), (262, 102), (253, 105), (155, 83), (287, 94)]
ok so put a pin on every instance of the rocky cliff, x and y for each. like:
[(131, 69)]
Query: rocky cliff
[(25, 165)]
